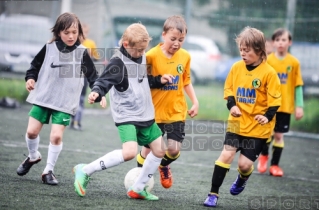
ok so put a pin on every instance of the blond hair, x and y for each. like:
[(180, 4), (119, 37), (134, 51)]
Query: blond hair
[(175, 22), (135, 33), (253, 38)]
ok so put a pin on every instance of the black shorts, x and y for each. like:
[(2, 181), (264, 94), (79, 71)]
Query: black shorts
[(282, 122), (174, 131), (250, 147)]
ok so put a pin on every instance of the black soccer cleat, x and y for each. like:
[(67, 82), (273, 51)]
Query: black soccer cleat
[(49, 179), (25, 166)]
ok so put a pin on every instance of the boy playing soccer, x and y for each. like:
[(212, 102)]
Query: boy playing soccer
[(288, 70), (126, 80), (169, 101), (252, 91)]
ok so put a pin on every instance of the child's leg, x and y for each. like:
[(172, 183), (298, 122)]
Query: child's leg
[(245, 169), (151, 163), (55, 147), (112, 159), (32, 139), (263, 157), (140, 158), (222, 165), (277, 149)]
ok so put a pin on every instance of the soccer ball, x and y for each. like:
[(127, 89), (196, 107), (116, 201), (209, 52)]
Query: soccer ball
[(132, 175)]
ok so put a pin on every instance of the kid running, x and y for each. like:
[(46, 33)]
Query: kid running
[(55, 80)]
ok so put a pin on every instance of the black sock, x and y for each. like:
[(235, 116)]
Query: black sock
[(276, 155), (219, 174), (168, 159), (265, 149)]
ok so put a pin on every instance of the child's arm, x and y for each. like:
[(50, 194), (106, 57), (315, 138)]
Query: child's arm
[(112, 75), (36, 64), (229, 96), (189, 89), (299, 103), (159, 81)]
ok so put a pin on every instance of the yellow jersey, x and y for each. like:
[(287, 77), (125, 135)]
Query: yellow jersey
[(288, 70), (169, 101), (254, 92)]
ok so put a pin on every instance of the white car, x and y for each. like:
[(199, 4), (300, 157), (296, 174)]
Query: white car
[(21, 38), (205, 56)]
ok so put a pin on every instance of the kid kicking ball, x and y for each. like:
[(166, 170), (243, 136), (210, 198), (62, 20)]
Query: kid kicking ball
[(132, 175)]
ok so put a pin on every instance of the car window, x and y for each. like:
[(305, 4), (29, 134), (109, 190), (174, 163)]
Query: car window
[(192, 46), (15, 32)]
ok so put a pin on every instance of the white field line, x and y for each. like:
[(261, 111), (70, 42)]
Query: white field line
[(8, 143)]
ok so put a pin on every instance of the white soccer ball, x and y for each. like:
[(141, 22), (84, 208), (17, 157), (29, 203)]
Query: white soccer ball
[(131, 177)]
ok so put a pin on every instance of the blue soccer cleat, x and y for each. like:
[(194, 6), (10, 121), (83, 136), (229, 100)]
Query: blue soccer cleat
[(211, 200), (238, 186)]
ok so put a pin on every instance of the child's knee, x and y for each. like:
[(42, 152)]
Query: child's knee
[(32, 134), (129, 154)]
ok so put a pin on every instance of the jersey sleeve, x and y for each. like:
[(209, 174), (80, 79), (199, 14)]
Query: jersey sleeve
[(298, 76), (273, 90), (228, 87)]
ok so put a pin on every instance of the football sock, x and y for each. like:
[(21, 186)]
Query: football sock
[(109, 160), (167, 159), (265, 149), (150, 166), (33, 145), (53, 154), (245, 175), (219, 174), (276, 153), (140, 160)]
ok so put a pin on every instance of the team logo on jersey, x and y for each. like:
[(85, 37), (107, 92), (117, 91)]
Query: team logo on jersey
[(289, 68), (256, 83), (180, 68)]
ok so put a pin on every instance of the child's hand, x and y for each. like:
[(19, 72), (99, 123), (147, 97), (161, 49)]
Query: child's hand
[(261, 119), (30, 84), (235, 112), (298, 113), (92, 97), (193, 111), (103, 102), (167, 78)]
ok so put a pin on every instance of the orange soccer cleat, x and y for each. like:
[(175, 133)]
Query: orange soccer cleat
[(275, 170), (262, 164), (166, 176)]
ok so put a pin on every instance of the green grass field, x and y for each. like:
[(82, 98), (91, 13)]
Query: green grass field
[(192, 172), (210, 97)]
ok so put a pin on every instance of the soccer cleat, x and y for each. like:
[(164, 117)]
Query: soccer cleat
[(166, 177), (25, 166), (144, 195), (49, 178), (81, 180), (262, 164), (275, 170), (211, 200), (238, 186)]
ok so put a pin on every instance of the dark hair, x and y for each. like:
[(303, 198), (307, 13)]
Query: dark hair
[(175, 22), (65, 21), (279, 32)]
